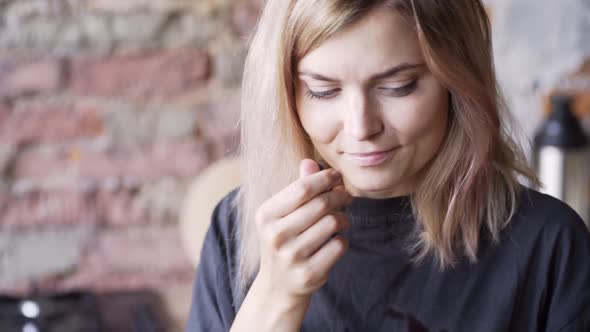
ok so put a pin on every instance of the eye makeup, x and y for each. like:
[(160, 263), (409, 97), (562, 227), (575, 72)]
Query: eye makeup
[(321, 95), (401, 91), (390, 92)]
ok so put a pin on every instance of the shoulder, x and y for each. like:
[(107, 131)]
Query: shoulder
[(554, 245), (227, 202), (538, 212), (544, 228), (214, 297), (547, 234), (220, 243), (225, 214)]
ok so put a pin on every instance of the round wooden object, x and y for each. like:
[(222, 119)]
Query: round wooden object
[(203, 194)]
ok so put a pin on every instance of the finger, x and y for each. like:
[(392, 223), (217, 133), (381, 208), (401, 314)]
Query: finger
[(312, 211), (340, 187), (308, 242), (308, 167), (299, 192), (324, 259)]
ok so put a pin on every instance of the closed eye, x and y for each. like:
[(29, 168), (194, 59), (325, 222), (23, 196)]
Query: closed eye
[(322, 94), (390, 92), (401, 91)]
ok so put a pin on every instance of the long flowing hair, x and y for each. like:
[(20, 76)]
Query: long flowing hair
[(471, 184)]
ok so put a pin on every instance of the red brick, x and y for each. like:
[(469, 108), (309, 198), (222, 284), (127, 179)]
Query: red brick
[(125, 205), (7, 155), (39, 208), (140, 163), (117, 6), (22, 288), (4, 198), (4, 112), (85, 192), (119, 259), (245, 14), (49, 122), (156, 74), (131, 6), (220, 125), (147, 257), (42, 77)]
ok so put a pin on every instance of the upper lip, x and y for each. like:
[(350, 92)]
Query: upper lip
[(364, 154)]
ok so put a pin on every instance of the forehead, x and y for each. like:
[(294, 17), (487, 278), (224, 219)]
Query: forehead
[(379, 40)]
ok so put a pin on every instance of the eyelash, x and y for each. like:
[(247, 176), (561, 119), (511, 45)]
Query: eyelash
[(393, 92)]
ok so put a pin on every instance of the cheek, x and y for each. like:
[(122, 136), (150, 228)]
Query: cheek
[(424, 116), (318, 121)]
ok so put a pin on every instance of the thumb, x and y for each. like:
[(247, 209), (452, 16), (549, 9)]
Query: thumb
[(307, 167)]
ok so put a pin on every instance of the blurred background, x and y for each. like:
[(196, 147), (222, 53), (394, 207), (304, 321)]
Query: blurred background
[(111, 109)]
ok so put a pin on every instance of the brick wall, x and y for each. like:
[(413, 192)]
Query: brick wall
[(107, 109)]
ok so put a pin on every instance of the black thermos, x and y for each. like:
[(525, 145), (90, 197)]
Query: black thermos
[(561, 157)]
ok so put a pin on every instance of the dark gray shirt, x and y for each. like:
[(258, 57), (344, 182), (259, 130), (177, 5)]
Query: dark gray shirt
[(536, 279)]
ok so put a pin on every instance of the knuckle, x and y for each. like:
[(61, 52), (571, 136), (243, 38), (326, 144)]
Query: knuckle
[(332, 223), (288, 256), (302, 190), (266, 236), (259, 217), (276, 237), (306, 277), (299, 253), (323, 202)]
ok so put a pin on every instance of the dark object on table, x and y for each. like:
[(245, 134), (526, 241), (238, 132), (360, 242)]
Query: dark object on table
[(561, 156), (133, 311), (84, 311), (144, 320), (73, 311)]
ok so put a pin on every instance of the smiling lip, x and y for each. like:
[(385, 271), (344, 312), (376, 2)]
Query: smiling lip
[(371, 158)]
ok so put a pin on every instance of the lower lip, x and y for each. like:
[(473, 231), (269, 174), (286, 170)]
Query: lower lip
[(372, 160)]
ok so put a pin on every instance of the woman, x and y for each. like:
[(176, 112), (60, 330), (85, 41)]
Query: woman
[(419, 221)]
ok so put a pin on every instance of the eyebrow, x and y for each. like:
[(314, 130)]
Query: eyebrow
[(379, 76)]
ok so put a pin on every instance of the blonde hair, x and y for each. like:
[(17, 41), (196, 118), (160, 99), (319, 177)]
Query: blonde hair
[(469, 186)]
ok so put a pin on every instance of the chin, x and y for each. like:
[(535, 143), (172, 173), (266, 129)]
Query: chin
[(366, 183)]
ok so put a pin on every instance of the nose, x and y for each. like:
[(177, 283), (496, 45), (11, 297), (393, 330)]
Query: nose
[(363, 119)]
